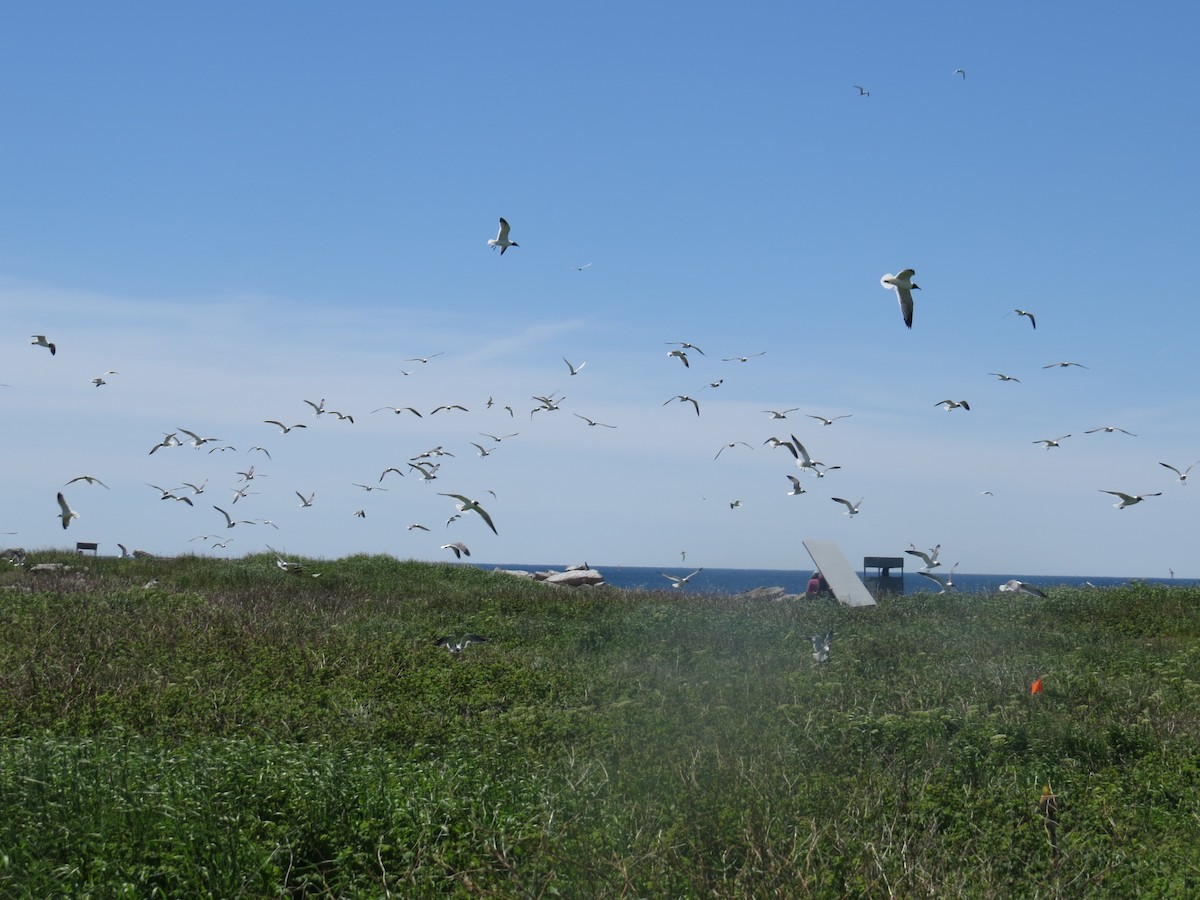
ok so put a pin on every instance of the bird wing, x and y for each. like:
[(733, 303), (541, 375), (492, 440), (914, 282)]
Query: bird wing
[(939, 579), (502, 234), (904, 295)]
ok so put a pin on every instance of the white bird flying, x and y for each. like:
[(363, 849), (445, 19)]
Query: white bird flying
[(1182, 475), (284, 428), (1109, 429), (677, 581), (862, 91), (742, 358), (797, 488), (458, 646), (1051, 443), (825, 421), (1023, 586), (684, 398), (1128, 499), (1004, 377), (1027, 314), (962, 72), (306, 502), (903, 285), (780, 413), (99, 379), (731, 445), (685, 345), (593, 422), (90, 479), (803, 460), (574, 369), (953, 404), (851, 508), (468, 505), (1063, 365), (39, 340), (459, 548), (66, 514), (930, 558), (946, 581), (681, 356), (229, 523), (501, 239)]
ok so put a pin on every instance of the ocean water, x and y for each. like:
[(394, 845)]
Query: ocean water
[(795, 581)]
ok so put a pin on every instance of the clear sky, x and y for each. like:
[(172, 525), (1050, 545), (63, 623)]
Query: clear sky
[(238, 207)]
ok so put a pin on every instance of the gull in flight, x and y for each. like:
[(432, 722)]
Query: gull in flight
[(383, 474), (483, 451), (684, 345), (368, 487), (930, 558), (953, 404), (1004, 377), (797, 488), (825, 421), (581, 268), (780, 413), (862, 91), (946, 581), (904, 286), (169, 440), (170, 495), (677, 581), (681, 356), (962, 72), (1052, 443), (742, 358), (714, 384), (458, 646), (729, 446), (1128, 499), (318, 408), (418, 525), (425, 359), (501, 239), (1027, 314), (39, 340), (66, 514), (736, 504), (229, 523), (1182, 475), (241, 493), (574, 369), (498, 438), (261, 449), (803, 460), (196, 489), (851, 508), (467, 505), (1024, 586), (90, 479), (196, 439), (1109, 429), (821, 646), (1063, 365), (684, 398), (399, 409), (449, 407), (99, 379), (306, 502), (593, 422), (459, 548), (284, 428)]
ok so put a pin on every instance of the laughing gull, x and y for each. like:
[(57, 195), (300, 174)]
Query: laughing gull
[(678, 581), (1128, 499), (459, 548), (821, 646), (1109, 429), (467, 505), (1027, 314), (39, 340), (851, 508), (66, 514), (903, 285), (1022, 586), (953, 404), (90, 479), (1182, 475), (574, 369), (501, 239), (1051, 443), (458, 646)]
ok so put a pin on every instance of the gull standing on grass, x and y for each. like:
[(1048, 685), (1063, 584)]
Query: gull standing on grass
[(903, 285), (821, 646), (458, 646), (1128, 499), (501, 239)]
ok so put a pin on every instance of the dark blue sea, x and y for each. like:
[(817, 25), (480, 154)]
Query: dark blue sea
[(794, 581)]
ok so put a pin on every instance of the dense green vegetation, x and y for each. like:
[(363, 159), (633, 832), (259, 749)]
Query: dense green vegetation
[(235, 731)]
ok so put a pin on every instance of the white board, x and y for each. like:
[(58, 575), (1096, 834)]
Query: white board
[(843, 580)]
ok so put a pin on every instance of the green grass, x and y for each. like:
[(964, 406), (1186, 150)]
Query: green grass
[(234, 731)]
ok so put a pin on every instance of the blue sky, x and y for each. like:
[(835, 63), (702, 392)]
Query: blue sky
[(242, 206)]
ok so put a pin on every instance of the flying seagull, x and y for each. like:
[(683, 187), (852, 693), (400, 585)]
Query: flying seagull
[(284, 428), (962, 72), (90, 479), (684, 398), (574, 369), (399, 409), (1109, 429), (803, 460), (67, 513), (862, 91), (742, 358), (306, 502), (677, 581), (1129, 499), (501, 239), (1051, 443), (318, 408), (821, 646), (729, 446), (780, 413), (229, 523), (946, 581), (1027, 314), (425, 359), (684, 345), (797, 488), (1004, 377), (1063, 365), (930, 558), (1182, 475), (903, 286), (458, 646), (681, 356), (99, 379), (459, 548), (825, 421), (953, 404), (851, 508), (467, 505), (1026, 587), (39, 340), (593, 422)]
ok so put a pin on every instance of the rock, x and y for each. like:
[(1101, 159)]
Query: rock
[(575, 578), (50, 567), (762, 593)]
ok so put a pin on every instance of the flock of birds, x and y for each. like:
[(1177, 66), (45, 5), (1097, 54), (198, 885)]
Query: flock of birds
[(426, 465)]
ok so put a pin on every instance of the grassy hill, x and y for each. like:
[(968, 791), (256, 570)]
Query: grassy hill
[(201, 727)]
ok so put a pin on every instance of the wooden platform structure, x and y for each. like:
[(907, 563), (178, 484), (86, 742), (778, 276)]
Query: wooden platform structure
[(843, 580), (82, 547), (878, 574)]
